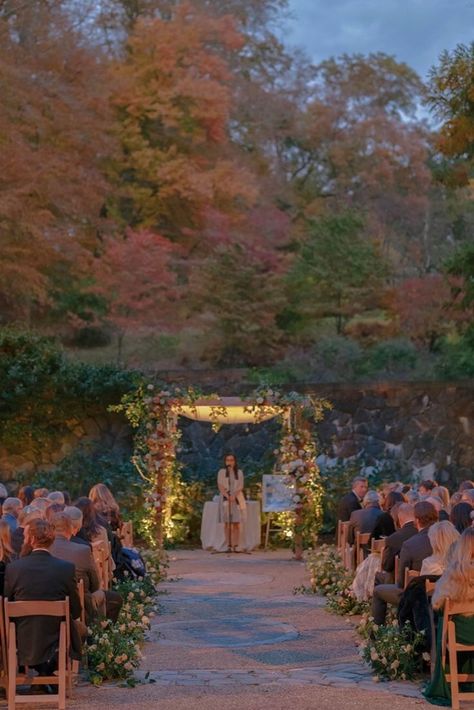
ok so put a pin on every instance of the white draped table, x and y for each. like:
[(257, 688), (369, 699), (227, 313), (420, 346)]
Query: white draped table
[(213, 532)]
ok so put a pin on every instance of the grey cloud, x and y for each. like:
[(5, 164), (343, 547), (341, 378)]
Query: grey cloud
[(415, 31)]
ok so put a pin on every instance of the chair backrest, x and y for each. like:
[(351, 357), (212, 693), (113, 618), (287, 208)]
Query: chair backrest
[(3, 641), (409, 575), (396, 568), (126, 533), (101, 556), (80, 591), (378, 546), (36, 608), (361, 540)]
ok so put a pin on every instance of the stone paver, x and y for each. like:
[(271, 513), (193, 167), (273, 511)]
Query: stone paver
[(231, 634)]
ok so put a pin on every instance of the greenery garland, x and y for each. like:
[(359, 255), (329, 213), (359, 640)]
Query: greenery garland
[(153, 410)]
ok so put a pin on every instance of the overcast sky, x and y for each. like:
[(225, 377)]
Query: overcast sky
[(415, 31)]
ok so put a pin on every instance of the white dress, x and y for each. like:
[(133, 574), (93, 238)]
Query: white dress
[(234, 486)]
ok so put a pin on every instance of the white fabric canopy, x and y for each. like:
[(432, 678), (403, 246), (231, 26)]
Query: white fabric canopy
[(226, 410)]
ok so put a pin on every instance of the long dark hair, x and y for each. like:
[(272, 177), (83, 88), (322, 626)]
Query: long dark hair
[(461, 516), (236, 465), (90, 524)]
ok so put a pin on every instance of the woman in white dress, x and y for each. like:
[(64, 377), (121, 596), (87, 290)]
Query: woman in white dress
[(232, 508)]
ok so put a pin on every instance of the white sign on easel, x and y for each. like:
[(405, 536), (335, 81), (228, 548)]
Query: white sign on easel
[(277, 493)]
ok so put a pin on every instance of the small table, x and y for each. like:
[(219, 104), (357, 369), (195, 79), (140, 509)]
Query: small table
[(213, 532)]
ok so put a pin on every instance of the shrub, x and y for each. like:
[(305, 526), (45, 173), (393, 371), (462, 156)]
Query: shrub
[(457, 357), (390, 356), (330, 578)]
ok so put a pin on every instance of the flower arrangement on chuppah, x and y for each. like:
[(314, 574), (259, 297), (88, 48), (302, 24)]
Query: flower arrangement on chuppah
[(153, 411)]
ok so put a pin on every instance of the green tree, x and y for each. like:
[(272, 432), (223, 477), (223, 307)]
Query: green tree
[(337, 273)]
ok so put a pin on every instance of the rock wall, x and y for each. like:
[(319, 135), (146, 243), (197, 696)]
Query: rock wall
[(105, 433), (426, 428)]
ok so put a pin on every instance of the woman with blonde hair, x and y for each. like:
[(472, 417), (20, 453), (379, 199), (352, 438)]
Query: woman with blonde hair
[(442, 536), (442, 493), (457, 585), (106, 505)]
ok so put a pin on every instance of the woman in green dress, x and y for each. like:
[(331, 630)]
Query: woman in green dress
[(457, 584)]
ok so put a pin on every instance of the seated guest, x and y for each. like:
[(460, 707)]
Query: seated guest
[(394, 542), (385, 524), (67, 498), (443, 494), (352, 501), (75, 516), (461, 516), (26, 495), (364, 520), (11, 509), (106, 505), (41, 493), (52, 509), (41, 577), (412, 553), (456, 584), (18, 536), (7, 554), (467, 496), (412, 497), (40, 504), (438, 506), (455, 499), (97, 601), (91, 530), (3, 494), (425, 488), (466, 486), (442, 536), (56, 497)]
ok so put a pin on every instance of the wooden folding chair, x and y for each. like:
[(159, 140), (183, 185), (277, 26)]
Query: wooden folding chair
[(347, 550), (126, 534), (339, 536), (14, 610), (3, 649), (409, 575), (361, 540), (80, 591), (449, 643), (378, 546), (396, 568), (100, 555)]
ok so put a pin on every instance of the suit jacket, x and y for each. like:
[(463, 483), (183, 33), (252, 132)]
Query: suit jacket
[(393, 545), (384, 526), (413, 552), (82, 559), (363, 521), (17, 538), (347, 505), (40, 577)]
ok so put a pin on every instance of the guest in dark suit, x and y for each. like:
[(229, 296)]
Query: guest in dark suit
[(18, 536), (364, 520), (394, 542), (97, 601), (40, 577), (352, 501), (385, 524), (75, 516), (412, 553)]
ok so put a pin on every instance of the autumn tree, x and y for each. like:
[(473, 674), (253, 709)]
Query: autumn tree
[(173, 103), (135, 277), (54, 121)]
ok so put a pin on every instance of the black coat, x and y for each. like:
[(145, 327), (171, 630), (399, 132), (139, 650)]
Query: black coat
[(384, 526), (393, 545), (363, 521), (412, 554), (347, 505), (40, 577)]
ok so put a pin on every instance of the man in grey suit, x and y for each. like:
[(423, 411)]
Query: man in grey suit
[(97, 601), (364, 520), (412, 553)]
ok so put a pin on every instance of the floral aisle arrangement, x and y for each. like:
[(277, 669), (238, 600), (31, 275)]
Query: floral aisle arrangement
[(330, 578), (113, 650), (393, 652)]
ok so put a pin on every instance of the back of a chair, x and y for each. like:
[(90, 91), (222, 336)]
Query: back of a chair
[(100, 555), (378, 546), (80, 591), (361, 540), (126, 534), (397, 566), (3, 642), (409, 575)]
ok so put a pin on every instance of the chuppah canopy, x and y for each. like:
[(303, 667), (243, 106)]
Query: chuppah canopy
[(228, 410)]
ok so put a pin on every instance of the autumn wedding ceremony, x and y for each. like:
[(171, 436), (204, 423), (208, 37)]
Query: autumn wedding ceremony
[(236, 354)]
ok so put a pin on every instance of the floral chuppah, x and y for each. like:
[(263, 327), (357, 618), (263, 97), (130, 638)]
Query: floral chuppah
[(153, 411)]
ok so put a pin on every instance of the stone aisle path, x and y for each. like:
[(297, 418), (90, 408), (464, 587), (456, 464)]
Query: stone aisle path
[(231, 634)]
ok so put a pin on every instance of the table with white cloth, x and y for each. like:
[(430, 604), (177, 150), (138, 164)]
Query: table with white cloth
[(213, 532)]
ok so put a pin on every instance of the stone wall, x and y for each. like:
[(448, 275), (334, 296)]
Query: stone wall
[(105, 433), (427, 428)]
